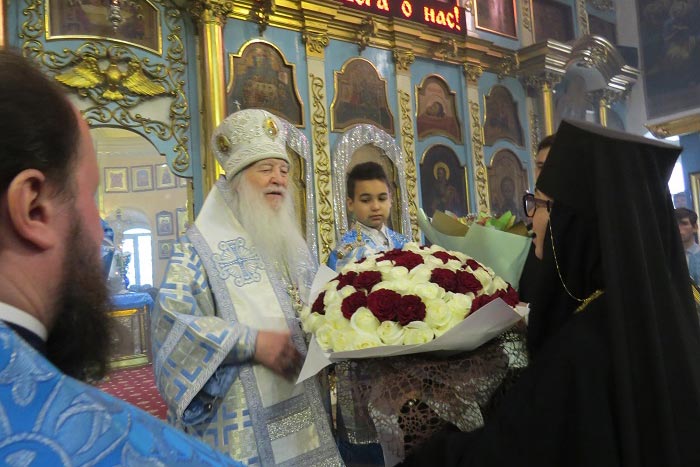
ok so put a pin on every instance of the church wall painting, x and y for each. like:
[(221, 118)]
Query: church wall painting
[(442, 182), (436, 110), (260, 77), (507, 183), (501, 117), (142, 178), (360, 97), (670, 53), (553, 20), (88, 19), (116, 180), (496, 16), (164, 223)]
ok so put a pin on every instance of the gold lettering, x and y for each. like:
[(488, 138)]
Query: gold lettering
[(407, 8), (383, 5), (440, 18), (429, 14)]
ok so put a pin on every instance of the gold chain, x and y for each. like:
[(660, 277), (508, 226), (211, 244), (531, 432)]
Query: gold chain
[(584, 302)]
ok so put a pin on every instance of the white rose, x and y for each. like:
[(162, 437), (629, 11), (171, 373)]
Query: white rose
[(460, 304), (437, 313), (391, 333), (324, 337), (421, 273), (433, 261), (305, 312), (429, 291), (417, 332), (346, 291), (342, 340), (396, 273), (433, 248), (414, 247), (483, 276), (335, 319), (312, 322), (496, 284), (462, 257), (332, 296), (361, 341), (363, 321)]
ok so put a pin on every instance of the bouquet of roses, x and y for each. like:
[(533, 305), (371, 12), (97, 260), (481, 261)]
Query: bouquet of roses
[(401, 297)]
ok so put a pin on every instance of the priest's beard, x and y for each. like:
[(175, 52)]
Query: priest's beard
[(79, 341), (274, 230)]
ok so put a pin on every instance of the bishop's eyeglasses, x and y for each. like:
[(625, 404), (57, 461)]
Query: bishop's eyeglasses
[(531, 203)]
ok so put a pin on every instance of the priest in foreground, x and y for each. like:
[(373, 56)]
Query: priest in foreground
[(53, 296), (225, 333), (613, 334)]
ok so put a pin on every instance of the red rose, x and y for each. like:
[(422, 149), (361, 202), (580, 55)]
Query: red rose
[(352, 302), (466, 282), (409, 260), (444, 278), (390, 255), (444, 256), (345, 279), (482, 300), (509, 296), (367, 279), (318, 307), (474, 264), (411, 308), (384, 304)]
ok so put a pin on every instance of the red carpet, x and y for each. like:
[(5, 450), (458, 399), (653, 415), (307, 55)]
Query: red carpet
[(136, 386)]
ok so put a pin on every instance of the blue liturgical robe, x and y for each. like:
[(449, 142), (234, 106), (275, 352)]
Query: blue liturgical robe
[(362, 241), (50, 419)]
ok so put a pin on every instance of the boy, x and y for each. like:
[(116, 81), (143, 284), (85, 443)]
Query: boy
[(369, 202)]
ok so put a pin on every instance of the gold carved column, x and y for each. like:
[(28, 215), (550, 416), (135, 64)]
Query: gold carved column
[(316, 43), (3, 24), (403, 59), (472, 72), (542, 87), (605, 99), (210, 16)]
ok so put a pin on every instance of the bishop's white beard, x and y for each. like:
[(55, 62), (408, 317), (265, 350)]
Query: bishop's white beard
[(274, 231)]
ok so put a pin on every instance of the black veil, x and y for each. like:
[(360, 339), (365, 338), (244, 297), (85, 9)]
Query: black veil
[(618, 383)]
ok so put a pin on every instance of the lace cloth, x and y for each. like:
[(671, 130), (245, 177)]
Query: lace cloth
[(400, 402)]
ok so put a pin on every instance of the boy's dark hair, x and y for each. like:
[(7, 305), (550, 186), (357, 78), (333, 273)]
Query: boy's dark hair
[(38, 126), (546, 142), (362, 172), (685, 213)]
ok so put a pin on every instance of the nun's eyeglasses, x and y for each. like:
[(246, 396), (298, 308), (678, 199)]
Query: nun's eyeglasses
[(531, 203)]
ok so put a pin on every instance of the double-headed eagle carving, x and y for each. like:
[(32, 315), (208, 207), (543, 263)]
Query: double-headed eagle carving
[(88, 74)]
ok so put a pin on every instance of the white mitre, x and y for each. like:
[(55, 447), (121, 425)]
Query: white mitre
[(246, 137)]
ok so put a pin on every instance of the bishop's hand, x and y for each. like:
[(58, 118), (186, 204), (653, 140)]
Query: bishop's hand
[(276, 351)]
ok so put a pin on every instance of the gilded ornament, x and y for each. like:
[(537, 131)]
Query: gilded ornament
[(407, 138), (480, 173), (87, 74), (404, 59), (270, 128), (322, 167), (507, 66), (447, 48), (211, 11), (82, 67), (316, 43), (527, 16), (261, 11), (367, 30), (582, 15), (473, 71), (223, 144)]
